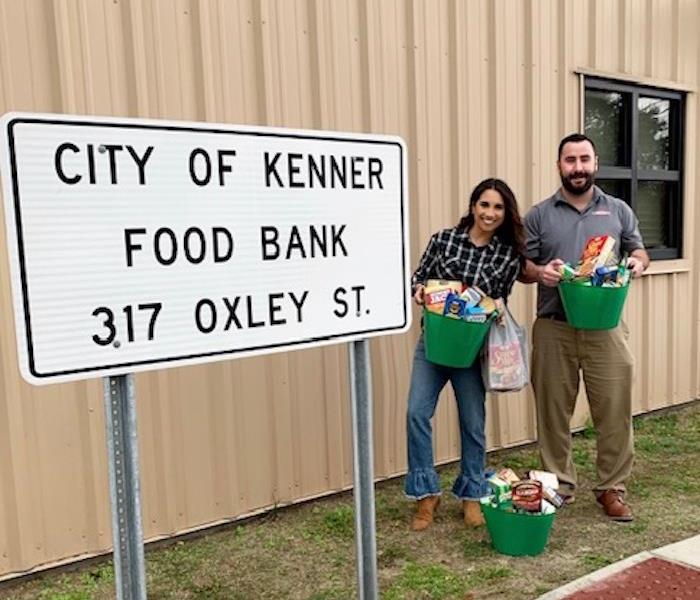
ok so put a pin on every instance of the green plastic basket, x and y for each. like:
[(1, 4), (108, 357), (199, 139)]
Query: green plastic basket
[(517, 534), (592, 307), (452, 342)]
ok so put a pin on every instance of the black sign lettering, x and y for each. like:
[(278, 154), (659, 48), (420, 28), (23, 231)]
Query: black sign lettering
[(205, 308)]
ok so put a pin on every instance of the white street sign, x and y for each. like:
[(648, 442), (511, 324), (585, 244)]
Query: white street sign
[(140, 244)]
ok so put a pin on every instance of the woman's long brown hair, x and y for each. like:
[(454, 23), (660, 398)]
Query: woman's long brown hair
[(511, 231)]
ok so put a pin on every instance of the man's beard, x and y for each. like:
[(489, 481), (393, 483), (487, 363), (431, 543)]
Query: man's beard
[(577, 190)]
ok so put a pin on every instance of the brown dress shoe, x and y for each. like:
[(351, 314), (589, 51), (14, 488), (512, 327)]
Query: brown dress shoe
[(425, 507), (614, 505), (472, 513)]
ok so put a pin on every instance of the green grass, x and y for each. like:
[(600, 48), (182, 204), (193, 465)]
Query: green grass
[(489, 573), (329, 594), (81, 587), (426, 581), (595, 561), (476, 548), (340, 522), (583, 456), (307, 552), (588, 432), (392, 555), (388, 509), (638, 526), (523, 460)]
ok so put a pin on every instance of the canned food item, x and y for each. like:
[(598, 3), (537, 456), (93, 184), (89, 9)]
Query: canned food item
[(527, 495)]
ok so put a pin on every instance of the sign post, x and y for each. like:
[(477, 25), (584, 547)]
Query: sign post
[(363, 469), (124, 493), (139, 244)]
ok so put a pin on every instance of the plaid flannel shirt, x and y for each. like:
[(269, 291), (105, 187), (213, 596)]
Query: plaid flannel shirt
[(452, 255)]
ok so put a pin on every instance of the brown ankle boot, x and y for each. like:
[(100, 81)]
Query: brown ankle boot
[(425, 507), (472, 513)]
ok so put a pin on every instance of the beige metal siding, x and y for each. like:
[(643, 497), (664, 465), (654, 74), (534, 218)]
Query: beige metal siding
[(477, 88)]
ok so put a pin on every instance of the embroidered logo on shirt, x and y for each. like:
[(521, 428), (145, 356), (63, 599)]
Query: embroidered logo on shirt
[(600, 212)]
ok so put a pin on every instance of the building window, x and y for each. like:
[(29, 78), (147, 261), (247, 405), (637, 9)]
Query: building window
[(638, 132)]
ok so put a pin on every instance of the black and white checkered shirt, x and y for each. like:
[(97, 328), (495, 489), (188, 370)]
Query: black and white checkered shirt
[(452, 255)]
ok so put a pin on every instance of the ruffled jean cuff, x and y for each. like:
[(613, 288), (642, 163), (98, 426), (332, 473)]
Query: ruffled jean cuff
[(465, 488), (421, 483)]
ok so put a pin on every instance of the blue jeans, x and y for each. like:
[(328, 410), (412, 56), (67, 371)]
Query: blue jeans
[(427, 380)]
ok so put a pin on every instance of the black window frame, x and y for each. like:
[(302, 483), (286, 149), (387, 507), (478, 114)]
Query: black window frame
[(632, 175)]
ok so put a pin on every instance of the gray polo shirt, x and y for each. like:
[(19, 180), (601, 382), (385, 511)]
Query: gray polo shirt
[(556, 229)]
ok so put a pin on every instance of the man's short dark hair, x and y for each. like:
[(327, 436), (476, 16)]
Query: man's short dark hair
[(575, 138)]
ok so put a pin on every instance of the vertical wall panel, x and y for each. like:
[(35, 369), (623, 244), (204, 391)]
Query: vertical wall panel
[(477, 89), (637, 36), (664, 38)]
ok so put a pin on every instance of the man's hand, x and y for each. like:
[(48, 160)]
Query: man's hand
[(549, 274), (636, 265), (418, 296)]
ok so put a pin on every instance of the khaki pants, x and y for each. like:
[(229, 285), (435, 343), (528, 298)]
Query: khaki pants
[(560, 352)]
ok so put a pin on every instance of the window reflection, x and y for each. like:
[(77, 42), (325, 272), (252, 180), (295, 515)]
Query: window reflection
[(653, 150), (638, 132), (653, 202), (615, 187), (604, 123)]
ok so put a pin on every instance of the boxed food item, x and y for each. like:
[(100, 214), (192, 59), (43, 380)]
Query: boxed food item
[(508, 475), (436, 293), (547, 478), (604, 275), (488, 305), (455, 306), (501, 490), (567, 272), (552, 497), (455, 285), (597, 253), (472, 296), (476, 318), (527, 496)]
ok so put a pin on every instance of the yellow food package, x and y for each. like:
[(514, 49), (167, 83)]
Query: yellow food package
[(436, 292), (596, 254), (488, 304)]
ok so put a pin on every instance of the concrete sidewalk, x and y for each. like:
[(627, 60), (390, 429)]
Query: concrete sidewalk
[(671, 571)]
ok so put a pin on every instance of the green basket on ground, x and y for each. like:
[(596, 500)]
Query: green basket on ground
[(452, 342), (517, 534), (592, 307)]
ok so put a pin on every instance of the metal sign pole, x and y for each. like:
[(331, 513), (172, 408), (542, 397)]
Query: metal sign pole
[(363, 469), (124, 491)]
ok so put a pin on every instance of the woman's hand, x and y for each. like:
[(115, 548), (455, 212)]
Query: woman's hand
[(501, 308), (419, 295)]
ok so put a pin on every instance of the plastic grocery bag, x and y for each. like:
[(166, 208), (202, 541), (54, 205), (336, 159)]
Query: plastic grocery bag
[(505, 360)]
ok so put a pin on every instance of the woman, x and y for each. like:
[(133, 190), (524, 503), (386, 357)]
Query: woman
[(486, 250)]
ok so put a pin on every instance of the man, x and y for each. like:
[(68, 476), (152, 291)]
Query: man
[(557, 231)]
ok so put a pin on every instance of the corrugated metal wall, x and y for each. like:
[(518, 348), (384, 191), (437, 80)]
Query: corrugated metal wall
[(476, 88)]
